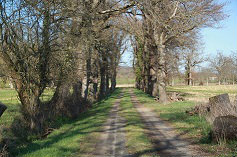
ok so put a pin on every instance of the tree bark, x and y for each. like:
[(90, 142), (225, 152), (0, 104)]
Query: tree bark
[(31, 109), (113, 80), (189, 73), (88, 75), (154, 87), (161, 72), (107, 81), (233, 80), (57, 103), (102, 78), (95, 88)]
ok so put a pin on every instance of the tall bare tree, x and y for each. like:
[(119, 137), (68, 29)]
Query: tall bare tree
[(168, 21)]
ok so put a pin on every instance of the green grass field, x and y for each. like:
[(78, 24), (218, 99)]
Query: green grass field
[(75, 137), (125, 81), (9, 98), (202, 93), (194, 127)]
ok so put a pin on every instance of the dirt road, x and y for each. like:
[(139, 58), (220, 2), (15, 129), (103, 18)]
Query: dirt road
[(166, 142), (112, 142)]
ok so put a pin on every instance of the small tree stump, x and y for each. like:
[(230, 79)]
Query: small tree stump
[(2, 108), (225, 128), (220, 106)]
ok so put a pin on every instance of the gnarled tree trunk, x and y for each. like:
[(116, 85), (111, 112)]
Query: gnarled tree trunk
[(31, 109)]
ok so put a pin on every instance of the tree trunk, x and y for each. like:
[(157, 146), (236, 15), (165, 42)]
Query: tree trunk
[(84, 87), (77, 90), (161, 72), (57, 103), (113, 80), (154, 87), (190, 79), (102, 82), (102, 85), (107, 82), (146, 73), (95, 88), (148, 48), (138, 83), (32, 111), (189, 73), (233, 80), (88, 75)]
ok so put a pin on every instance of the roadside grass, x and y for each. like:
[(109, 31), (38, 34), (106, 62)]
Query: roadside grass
[(194, 128), (137, 143), (74, 137)]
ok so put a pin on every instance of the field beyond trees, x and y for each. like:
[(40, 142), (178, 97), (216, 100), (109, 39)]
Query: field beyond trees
[(203, 93)]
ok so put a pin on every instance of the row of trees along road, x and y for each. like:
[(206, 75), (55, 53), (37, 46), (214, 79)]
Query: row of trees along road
[(75, 47), (166, 28), (69, 45)]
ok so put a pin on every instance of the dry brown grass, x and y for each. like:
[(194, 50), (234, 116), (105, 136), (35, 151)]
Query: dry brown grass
[(203, 93)]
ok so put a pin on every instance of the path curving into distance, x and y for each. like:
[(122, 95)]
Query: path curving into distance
[(166, 142)]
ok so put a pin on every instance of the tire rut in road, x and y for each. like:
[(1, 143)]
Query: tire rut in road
[(166, 142), (112, 142)]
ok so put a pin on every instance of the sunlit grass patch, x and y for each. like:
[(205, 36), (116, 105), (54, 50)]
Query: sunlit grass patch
[(9, 98), (72, 138)]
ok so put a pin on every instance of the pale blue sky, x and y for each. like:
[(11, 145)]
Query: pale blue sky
[(225, 38), (222, 39)]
